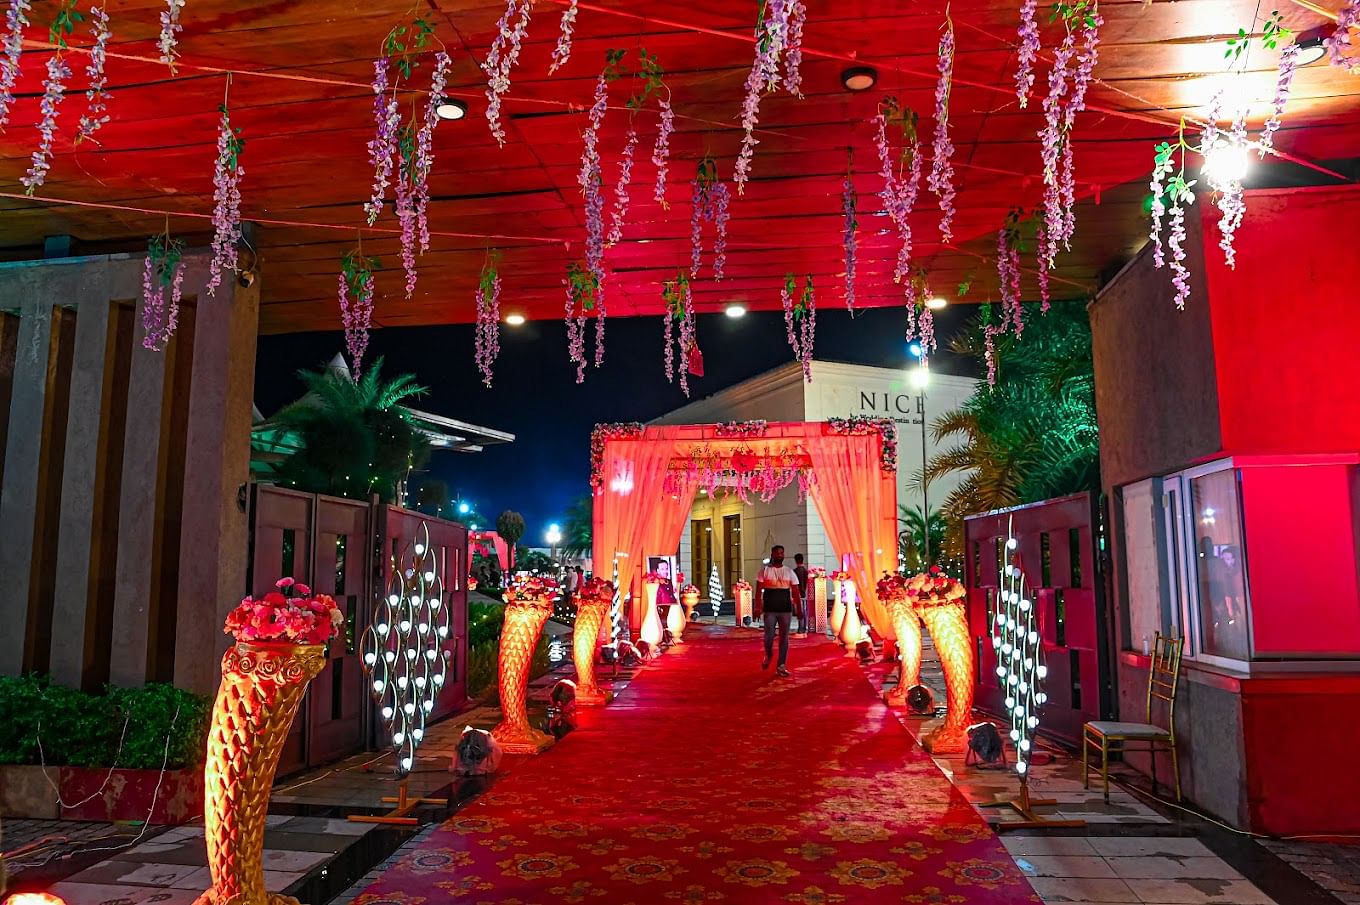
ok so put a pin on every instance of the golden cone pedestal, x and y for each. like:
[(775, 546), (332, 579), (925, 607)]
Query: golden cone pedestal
[(907, 626), (585, 641), (262, 687), (948, 627), (524, 621)]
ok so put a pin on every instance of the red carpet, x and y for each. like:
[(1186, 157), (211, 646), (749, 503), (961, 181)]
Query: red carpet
[(709, 781)]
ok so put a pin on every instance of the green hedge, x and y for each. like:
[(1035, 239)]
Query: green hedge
[(83, 730), (484, 645)]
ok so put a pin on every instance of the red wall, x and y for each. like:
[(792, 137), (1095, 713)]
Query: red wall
[(1286, 322)]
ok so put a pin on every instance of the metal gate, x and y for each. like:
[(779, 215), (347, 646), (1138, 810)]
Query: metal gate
[(345, 548), (1057, 554)]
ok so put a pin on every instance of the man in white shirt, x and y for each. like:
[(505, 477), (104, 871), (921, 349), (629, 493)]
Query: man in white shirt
[(776, 596)]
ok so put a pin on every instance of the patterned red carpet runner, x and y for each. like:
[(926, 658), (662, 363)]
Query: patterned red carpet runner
[(710, 781)]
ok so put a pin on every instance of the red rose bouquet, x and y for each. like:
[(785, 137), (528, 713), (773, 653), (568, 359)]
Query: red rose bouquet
[(893, 586), (531, 588), (741, 584), (596, 589), (289, 613), (935, 588)]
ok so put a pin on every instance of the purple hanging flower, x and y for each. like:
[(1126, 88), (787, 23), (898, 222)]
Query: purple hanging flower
[(16, 20), (620, 211), (793, 54), (661, 152), (1176, 242), (1052, 139), (898, 196), (1339, 47), (227, 175), (424, 150), (941, 179), (406, 217), (1087, 56), (96, 114), (721, 199), (687, 339), (1041, 240), (356, 279), (382, 150), (800, 320), (590, 180), (1289, 58), (1232, 203), (169, 36), (698, 206), (710, 199), (771, 39), (53, 94), (164, 269), (848, 211), (1027, 52), (909, 293), (501, 59), (927, 333), (582, 297), (488, 303), (1161, 168), (562, 52)]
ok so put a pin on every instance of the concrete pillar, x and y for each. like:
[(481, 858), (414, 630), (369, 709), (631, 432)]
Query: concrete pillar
[(212, 563), (23, 459)]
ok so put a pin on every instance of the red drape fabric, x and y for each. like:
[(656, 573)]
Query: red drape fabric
[(857, 501)]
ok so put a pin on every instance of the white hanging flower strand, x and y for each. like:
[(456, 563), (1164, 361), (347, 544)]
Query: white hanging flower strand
[(96, 114), (16, 20), (169, 36), (562, 52), (501, 59), (53, 94), (226, 201)]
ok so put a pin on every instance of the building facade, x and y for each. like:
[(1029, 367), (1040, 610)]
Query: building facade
[(736, 536)]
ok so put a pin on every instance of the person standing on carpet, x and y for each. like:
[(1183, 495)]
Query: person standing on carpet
[(776, 594), (804, 610)]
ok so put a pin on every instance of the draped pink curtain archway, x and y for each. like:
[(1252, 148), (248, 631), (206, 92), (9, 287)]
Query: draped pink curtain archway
[(854, 492)]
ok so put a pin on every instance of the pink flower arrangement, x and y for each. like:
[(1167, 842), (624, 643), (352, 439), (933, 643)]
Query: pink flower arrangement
[(16, 20), (96, 114), (842, 575), (54, 92), (488, 302), (661, 152), (562, 52), (1027, 53), (169, 36), (226, 200), (596, 590), (501, 59), (941, 179), (816, 572), (848, 238), (934, 588), (741, 584), (289, 614), (535, 589), (892, 586)]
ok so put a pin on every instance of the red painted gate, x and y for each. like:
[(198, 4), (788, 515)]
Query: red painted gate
[(1057, 554)]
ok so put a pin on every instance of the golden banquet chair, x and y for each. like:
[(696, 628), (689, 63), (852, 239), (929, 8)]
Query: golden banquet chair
[(1147, 736)]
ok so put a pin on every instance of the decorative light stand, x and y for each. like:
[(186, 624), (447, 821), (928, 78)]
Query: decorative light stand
[(817, 585), (527, 605), (1020, 667), (406, 663), (741, 593), (715, 592), (593, 601)]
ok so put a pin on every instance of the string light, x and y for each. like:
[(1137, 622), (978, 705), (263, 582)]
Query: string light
[(1015, 638)]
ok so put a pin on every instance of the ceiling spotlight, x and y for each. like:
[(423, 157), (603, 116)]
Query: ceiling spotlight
[(1226, 163), (515, 320), (451, 108), (859, 78), (937, 303), (735, 311), (1311, 46)]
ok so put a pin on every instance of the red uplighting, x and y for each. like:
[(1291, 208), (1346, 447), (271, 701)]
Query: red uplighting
[(34, 898)]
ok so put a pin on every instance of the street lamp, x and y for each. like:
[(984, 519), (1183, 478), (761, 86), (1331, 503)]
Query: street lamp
[(553, 537), (463, 508), (920, 378)]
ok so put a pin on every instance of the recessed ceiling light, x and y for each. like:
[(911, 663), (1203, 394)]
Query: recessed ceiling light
[(1311, 46), (451, 108), (515, 320), (937, 303), (735, 311), (859, 78)]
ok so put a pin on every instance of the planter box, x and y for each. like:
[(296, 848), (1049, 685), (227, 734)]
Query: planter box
[(120, 795)]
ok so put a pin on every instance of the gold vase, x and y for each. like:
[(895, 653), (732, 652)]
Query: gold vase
[(585, 641), (907, 626), (262, 687), (948, 628), (519, 636)]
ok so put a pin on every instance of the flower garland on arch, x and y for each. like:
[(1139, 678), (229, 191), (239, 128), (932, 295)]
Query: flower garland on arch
[(356, 279), (97, 97), (163, 269), (866, 424), (488, 304), (899, 195), (730, 430), (741, 473), (941, 178), (168, 41), (16, 20), (599, 436), (501, 58), (710, 199), (226, 200), (679, 308), (779, 35), (800, 320)]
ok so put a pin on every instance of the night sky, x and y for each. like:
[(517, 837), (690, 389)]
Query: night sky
[(536, 398)]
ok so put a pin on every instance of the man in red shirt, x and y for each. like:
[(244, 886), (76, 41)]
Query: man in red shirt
[(776, 595)]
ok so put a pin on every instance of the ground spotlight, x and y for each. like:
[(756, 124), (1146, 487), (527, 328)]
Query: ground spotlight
[(920, 700)]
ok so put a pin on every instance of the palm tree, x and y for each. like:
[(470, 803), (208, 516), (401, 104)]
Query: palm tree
[(353, 437), (577, 532), (911, 540)]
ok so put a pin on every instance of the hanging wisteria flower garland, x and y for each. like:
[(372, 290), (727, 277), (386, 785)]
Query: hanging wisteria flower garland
[(1178, 192), (591, 180), (96, 113), (382, 149), (54, 92), (501, 59), (424, 163), (898, 194), (562, 52), (583, 290), (16, 20), (651, 75), (710, 199), (1067, 87), (678, 304), (356, 314), (850, 240), (1028, 51), (800, 320), (1273, 34), (164, 269), (169, 36), (941, 178), (1339, 47), (226, 200), (661, 151), (488, 339), (779, 35), (1008, 274)]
